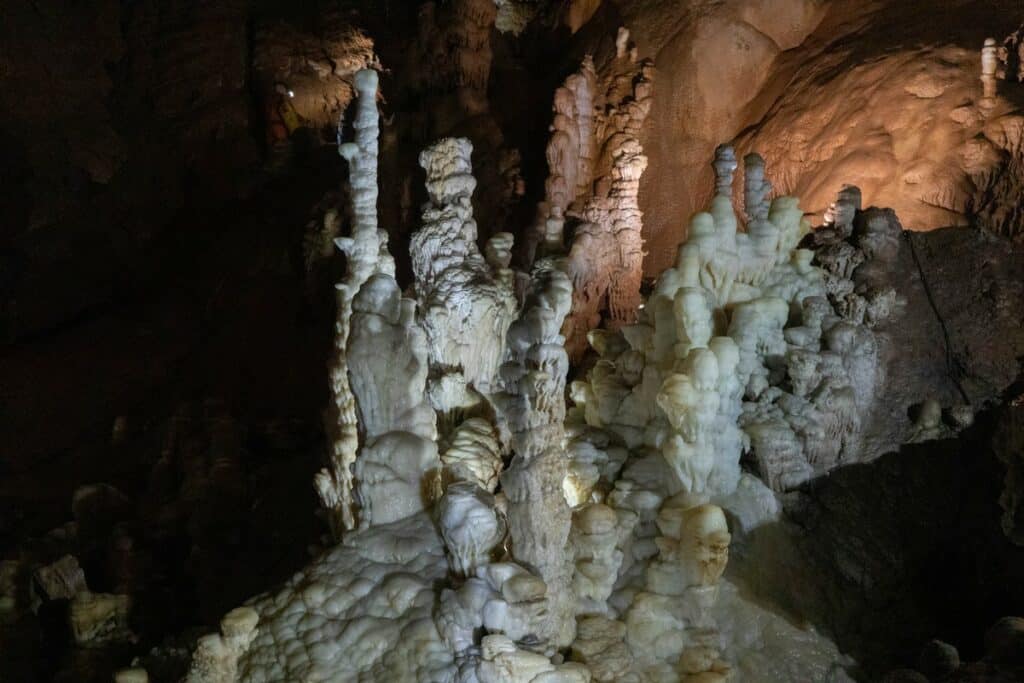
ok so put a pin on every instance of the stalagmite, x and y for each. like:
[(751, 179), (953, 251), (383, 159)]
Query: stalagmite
[(461, 294), (533, 409), (989, 64), (570, 157), (216, 658), (725, 166), (1011, 57), (398, 468), (366, 253), (470, 526)]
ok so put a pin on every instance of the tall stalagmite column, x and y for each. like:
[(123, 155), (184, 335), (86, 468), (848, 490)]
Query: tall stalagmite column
[(366, 252), (533, 405)]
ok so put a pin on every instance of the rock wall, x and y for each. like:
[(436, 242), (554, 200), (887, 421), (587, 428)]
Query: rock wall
[(884, 95), (109, 109)]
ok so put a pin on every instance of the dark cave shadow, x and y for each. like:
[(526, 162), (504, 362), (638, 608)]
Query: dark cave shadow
[(885, 555)]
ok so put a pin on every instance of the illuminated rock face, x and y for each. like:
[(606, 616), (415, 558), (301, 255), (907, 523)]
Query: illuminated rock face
[(959, 169), (595, 162), (905, 119)]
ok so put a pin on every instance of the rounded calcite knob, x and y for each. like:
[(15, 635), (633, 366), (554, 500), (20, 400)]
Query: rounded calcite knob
[(135, 675)]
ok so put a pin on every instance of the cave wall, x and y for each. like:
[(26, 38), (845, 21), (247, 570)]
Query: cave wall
[(111, 110), (879, 94)]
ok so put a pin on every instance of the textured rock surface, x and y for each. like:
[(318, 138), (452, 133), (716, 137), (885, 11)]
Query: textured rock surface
[(362, 612), (956, 339), (964, 164), (800, 81), (316, 64), (1008, 444)]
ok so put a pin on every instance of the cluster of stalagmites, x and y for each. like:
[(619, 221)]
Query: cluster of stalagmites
[(595, 162), (494, 527)]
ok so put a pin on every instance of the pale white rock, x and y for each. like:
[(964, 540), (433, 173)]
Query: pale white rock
[(398, 468), (756, 327), (595, 537), (725, 166), (533, 410), (619, 509), (746, 352), (366, 253), (461, 295), (503, 662), (216, 656), (929, 425), (474, 454), (470, 526), (754, 637), (398, 474), (360, 612), (989, 63), (387, 360), (601, 645)]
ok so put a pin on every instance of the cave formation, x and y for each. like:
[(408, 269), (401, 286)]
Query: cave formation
[(512, 341)]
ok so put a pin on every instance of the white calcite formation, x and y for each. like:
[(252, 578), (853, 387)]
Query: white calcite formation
[(738, 347), (361, 612), (470, 526), (366, 253), (474, 455), (500, 529), (929, 426), (463, 298), (532, 410), (217, 654), (989, 65), (398, 466)]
